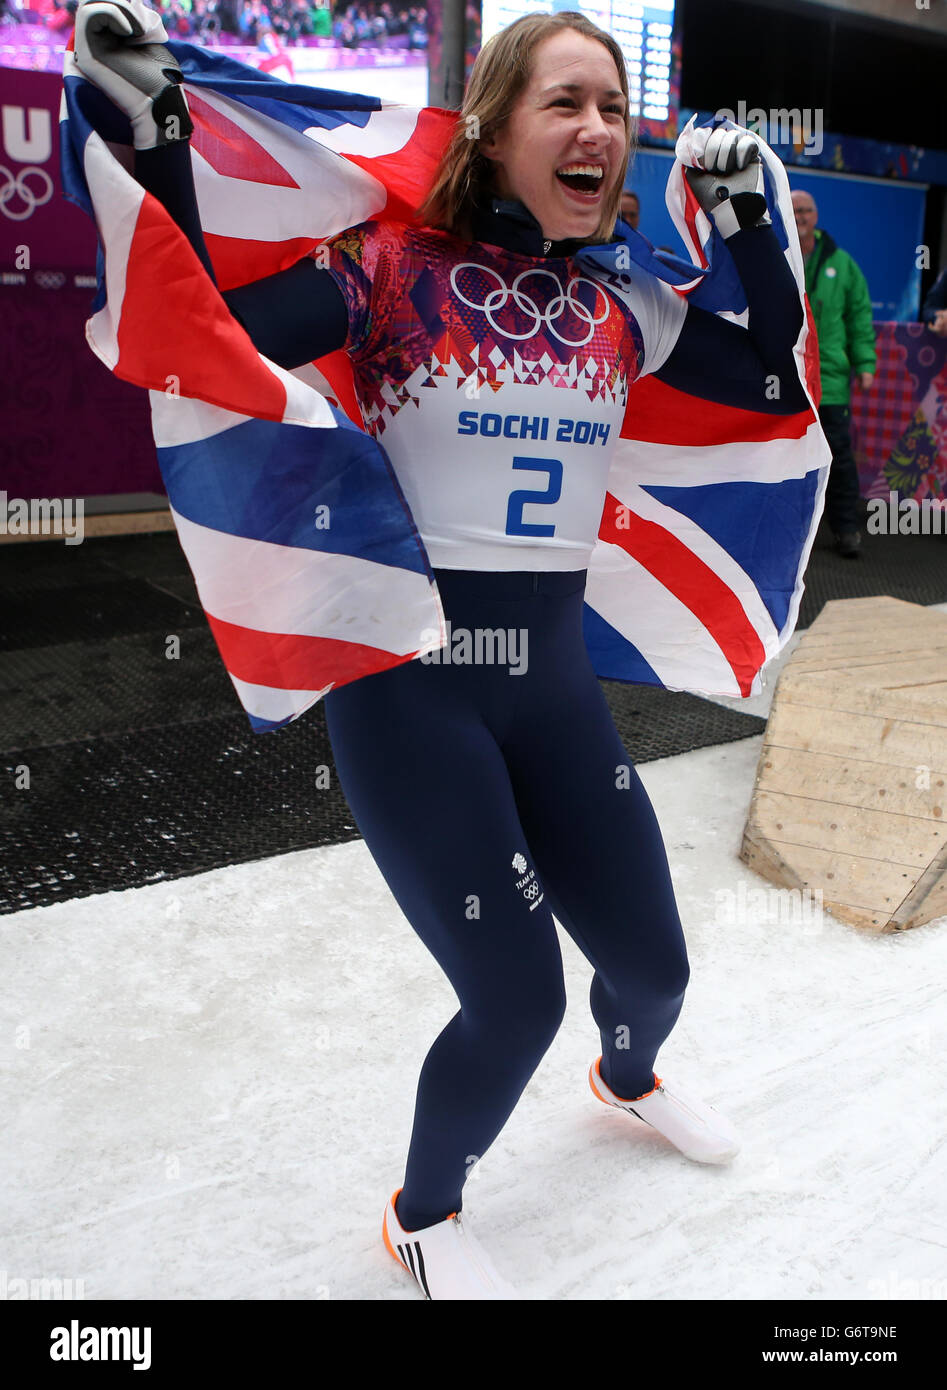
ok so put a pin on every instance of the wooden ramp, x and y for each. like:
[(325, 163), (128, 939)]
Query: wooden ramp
[(851, 788)]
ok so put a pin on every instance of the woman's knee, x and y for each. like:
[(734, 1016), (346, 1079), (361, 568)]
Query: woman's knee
[(527, 1018), (658, 975)]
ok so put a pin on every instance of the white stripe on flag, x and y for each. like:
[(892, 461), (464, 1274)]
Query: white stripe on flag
[(304, 404), (385, 132), (332, 194), (280, 588), (117, 199), (714, 556), (185, 420), (676, 645), (646, 464), (310, 374), (267, 703)]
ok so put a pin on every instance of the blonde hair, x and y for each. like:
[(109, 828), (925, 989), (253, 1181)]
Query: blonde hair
[(500, 74)]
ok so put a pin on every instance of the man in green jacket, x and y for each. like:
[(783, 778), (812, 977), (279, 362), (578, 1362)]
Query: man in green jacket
[(841, 306)]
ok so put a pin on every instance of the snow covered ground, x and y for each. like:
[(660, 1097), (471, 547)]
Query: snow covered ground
[(208, 1089)]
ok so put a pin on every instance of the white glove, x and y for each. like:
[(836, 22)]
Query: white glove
[(118, 47), (729, 185)]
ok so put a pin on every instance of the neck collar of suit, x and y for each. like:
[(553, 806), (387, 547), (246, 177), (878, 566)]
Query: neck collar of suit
[(509, 223)]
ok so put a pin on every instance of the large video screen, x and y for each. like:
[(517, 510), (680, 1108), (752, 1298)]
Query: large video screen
[(644, 33)]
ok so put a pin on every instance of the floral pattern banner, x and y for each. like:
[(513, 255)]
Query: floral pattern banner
[(899, 426)]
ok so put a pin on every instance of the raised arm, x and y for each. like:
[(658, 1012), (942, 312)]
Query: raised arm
[(757, 354), (292, 317), (729, 189)]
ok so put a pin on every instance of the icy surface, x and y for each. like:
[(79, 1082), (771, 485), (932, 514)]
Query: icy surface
[(208, 1089)]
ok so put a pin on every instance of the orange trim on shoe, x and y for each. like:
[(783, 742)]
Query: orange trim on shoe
[(384, 1231), (598, 1070), (394, 1211)]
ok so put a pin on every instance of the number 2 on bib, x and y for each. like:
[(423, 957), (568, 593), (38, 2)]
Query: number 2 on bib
[(515, 525)]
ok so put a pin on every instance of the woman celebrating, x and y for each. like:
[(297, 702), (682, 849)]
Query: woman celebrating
[(494, 798)]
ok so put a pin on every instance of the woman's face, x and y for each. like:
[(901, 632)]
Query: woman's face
[(569, 117)]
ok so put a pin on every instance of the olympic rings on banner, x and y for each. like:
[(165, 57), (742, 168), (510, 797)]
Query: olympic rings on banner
[(498, 298), (16, 186)]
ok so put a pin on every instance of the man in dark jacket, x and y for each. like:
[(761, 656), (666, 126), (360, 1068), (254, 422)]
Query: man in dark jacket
[(934, 308), (841, 306)]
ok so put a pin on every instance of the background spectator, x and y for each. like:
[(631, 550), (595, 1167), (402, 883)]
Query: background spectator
[(841, 306), (934, 308), (321, 20), (203, 21), (630, 208)]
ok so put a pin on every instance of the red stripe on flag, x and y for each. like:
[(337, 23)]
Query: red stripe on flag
[(288, 661), (336, 367), (692, 582), (240, 260), (408, 173), (213, 359), (691, 209), (813, 373), (230, 149), (657, 413)]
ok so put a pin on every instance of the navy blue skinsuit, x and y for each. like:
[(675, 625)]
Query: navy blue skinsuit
[(491, 801)]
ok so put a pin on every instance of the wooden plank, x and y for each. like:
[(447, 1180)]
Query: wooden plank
[(893, 673), (927, 899), (128, 523), (766, 861), (852, 782), (933, 695), (889, 741), (840, 615), (850, 799), (893, 629), (805, 821), (110, 524), (860, 657), (872, 922), (903, 637), (849, 880), (836, 696)]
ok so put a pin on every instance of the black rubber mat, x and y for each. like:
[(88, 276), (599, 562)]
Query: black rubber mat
[(92, 611), (913, 568), (115, 813), (656, 723), (142, 768), (82, 690)]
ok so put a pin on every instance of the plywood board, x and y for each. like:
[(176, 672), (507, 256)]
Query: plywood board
[(851, 788)]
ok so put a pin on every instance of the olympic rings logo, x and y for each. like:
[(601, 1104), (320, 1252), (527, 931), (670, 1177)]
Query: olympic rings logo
[(498, 298), (17, 187)]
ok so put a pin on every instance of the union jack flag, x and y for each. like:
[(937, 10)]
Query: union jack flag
[(711, 511)]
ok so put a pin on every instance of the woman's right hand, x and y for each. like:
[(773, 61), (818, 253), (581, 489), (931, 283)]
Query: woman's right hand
[(118, 46)]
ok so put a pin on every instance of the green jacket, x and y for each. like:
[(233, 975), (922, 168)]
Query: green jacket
[(841, 306)]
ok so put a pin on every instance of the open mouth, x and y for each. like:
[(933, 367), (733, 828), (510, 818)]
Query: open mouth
[(582, 178)]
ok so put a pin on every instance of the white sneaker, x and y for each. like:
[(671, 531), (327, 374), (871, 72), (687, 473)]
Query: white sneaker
[(694, 1127), (446, 1259)]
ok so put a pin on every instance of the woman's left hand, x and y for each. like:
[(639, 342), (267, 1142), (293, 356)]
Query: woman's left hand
[(729, 184)]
